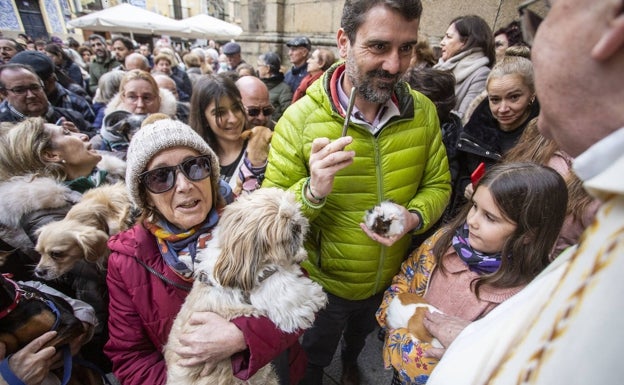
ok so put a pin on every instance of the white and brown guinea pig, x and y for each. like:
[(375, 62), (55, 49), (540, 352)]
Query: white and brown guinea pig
[(407, 310)]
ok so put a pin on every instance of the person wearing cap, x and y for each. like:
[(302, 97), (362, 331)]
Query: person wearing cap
[(298, 53), (232, 52), (8, 49), (102, 63), (269, 71), (24, 96), (57, 95), (172, 175)]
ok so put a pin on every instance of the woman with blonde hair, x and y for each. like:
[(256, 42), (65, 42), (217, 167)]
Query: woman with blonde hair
[(497, 123), (44, 170), (139, 95)]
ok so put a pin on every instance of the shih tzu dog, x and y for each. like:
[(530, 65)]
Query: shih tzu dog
[(250, 268)]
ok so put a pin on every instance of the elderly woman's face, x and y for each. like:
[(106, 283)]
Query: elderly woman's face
[(139, 97), (188, 203)]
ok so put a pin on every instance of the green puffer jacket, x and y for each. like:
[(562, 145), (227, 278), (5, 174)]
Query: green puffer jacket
[(404, 162)]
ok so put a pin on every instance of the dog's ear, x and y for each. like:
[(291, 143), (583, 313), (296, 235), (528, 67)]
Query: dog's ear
[(246, 134), (242, 249), (93, 244), (237, 264)]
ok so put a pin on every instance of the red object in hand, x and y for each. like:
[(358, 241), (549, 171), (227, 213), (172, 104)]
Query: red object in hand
[(477, 174)]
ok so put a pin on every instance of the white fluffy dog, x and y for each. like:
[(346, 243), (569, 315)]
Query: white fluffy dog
[(250, 268)]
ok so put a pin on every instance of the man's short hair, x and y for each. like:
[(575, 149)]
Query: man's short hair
[(14, 67), (125, 41), (354, 11), (95, 36), (18, 47)]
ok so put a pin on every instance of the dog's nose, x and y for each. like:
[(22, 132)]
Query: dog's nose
[(41, 273)]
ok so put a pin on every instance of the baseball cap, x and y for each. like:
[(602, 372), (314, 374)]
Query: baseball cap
[(300, 41), (231, 48), (40, 62)]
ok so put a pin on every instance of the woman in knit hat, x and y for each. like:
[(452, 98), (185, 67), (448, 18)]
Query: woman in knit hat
[(173, 177)]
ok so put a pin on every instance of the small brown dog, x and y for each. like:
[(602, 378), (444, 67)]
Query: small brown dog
[(251, 173), (26, 313), (83, 233)]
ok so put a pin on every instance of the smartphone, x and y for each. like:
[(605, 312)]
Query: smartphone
[(477, 174)]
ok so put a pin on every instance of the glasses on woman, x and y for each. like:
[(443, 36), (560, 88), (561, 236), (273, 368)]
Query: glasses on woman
[(147, 98), (162, 179), (255, 111), (529, 19)]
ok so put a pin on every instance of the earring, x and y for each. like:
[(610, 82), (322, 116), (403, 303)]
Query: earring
[(63, 161)]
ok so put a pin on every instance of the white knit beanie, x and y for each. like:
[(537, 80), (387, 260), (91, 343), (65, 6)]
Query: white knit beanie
[(158, 136)]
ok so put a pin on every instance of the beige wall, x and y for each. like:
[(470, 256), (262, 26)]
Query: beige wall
[(269, 24)]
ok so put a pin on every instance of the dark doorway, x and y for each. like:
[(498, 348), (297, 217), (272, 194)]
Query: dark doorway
[(30, 13)]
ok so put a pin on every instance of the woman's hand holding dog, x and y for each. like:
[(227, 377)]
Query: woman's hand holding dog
[(326, 159), (208, 339), (32, 364), (445, 328)]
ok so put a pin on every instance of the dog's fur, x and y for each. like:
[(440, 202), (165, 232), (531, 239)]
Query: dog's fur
[(32, 317), (258, 145), (407, 310), (83, 233), (123, 123), (385, 219), (250, 268)]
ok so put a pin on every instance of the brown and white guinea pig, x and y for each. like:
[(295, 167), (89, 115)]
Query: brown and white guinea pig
[(407, 310), (385, 219)]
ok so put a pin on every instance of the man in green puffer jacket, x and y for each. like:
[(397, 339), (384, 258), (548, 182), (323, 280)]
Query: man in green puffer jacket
[(393, 151)]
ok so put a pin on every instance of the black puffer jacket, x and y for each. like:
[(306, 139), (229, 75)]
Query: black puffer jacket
[(481, 140)]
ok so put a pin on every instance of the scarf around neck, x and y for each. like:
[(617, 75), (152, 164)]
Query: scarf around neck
[(464, 64), (477, 261), (88, 182), (178, 247)]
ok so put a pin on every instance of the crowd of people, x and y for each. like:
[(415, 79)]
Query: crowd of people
[(499, 158)]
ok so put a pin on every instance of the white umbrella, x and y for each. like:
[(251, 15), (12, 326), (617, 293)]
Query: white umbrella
[(205, 26), (128, 18)]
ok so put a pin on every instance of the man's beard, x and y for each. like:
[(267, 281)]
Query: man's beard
[(366, 85)]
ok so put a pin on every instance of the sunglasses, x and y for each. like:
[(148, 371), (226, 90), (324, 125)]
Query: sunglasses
[(255, 111), (162, 179), (530, 20)]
